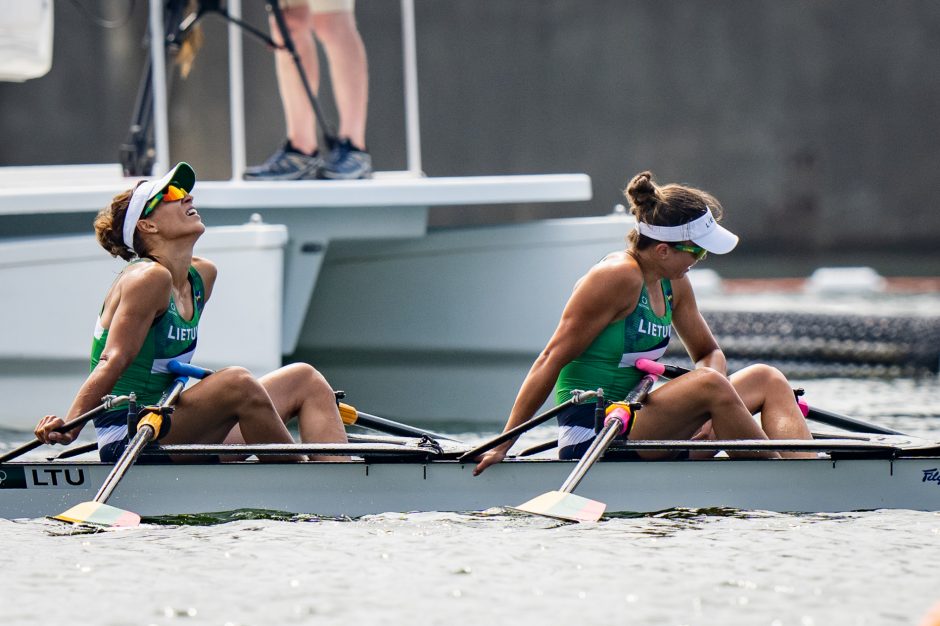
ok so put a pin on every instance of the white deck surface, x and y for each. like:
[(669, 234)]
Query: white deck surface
[(81, 188)]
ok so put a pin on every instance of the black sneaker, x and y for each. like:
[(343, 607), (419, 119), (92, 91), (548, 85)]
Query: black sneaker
[(346, 162), (286, 164)]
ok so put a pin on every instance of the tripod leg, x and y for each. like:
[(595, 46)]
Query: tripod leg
[(329, 138), (137, 152)]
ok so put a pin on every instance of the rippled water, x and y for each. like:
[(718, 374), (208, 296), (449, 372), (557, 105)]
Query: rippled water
[(675, 567), (680, 567)]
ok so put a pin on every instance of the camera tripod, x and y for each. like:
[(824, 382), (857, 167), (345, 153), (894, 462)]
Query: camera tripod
[(137, 153)]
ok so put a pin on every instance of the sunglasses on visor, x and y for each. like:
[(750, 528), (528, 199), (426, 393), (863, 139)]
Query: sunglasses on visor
[(696, 251), (171, 193)]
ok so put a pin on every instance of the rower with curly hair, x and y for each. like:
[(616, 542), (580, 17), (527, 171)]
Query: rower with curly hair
[(151, 315)]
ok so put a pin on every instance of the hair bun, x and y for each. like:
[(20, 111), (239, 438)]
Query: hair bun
[(642, 191)]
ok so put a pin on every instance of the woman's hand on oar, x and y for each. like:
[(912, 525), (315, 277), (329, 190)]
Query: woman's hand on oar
[(494, 456), (498, 447), (52, 430), (56, 425)]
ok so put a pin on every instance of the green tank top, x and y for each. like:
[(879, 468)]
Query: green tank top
[(170, 337), (609, 361)]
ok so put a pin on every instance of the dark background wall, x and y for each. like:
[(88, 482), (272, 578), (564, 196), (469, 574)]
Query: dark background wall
[(814, 121)]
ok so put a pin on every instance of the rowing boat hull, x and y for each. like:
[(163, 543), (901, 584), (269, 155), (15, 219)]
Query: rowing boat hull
[(29, 490)]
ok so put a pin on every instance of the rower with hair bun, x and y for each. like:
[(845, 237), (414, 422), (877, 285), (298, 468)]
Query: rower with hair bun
[(624, 309), (150, 317)]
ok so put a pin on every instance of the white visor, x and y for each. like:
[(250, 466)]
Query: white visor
[(184, 176), (703, 231)]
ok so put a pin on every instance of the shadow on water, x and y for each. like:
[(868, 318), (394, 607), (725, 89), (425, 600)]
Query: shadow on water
[(684, 516), (240, 515)]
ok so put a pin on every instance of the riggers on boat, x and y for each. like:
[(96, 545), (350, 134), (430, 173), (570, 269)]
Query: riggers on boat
[(857, 472)]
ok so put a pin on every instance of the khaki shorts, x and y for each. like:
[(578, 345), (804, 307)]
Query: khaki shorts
[(322, 6)]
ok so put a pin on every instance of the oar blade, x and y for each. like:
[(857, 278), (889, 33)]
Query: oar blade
[(566, 506), (99, 514)]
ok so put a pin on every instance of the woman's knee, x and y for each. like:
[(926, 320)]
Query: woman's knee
[(764, 372), (305, 376), (717, 391), (240, 383), (713, 382), (765, 376)]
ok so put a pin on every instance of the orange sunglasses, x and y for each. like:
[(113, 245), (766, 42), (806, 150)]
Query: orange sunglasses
[(172, 193)]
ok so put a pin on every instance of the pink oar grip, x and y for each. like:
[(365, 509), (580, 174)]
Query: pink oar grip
[(804, 408), (650, 367)]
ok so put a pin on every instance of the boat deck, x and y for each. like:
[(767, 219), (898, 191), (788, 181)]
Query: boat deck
[(83, 188)]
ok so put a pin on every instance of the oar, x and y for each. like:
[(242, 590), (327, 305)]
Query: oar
[(817, 415), (68, 453), (352, 416), (109, 402), (97, 511), (844, 421), (540, 447), (566, 505), (577, 397)]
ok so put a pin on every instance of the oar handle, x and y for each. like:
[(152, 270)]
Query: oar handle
[(109, 402), (353, 416), (577, 398), (661, 369), (187, 369)]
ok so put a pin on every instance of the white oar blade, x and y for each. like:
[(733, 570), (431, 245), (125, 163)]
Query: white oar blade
[(99, 514), (566, 506)]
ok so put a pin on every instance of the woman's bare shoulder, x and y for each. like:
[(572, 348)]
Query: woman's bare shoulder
[(617, 269), (146, 276), (208, 271), (142, 287), (206, 268)]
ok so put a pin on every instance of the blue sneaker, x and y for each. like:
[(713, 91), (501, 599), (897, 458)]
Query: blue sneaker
[(286, 164), (346, 162)]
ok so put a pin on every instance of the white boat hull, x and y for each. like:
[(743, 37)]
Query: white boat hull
[(30, 490)]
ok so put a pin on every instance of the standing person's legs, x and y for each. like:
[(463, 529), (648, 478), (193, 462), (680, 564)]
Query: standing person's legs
[(298, 114), (349, 71), (297, 158), (334, 24)]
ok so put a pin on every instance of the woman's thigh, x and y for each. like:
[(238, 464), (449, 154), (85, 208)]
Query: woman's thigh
[(673, 411), (207, 411)]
